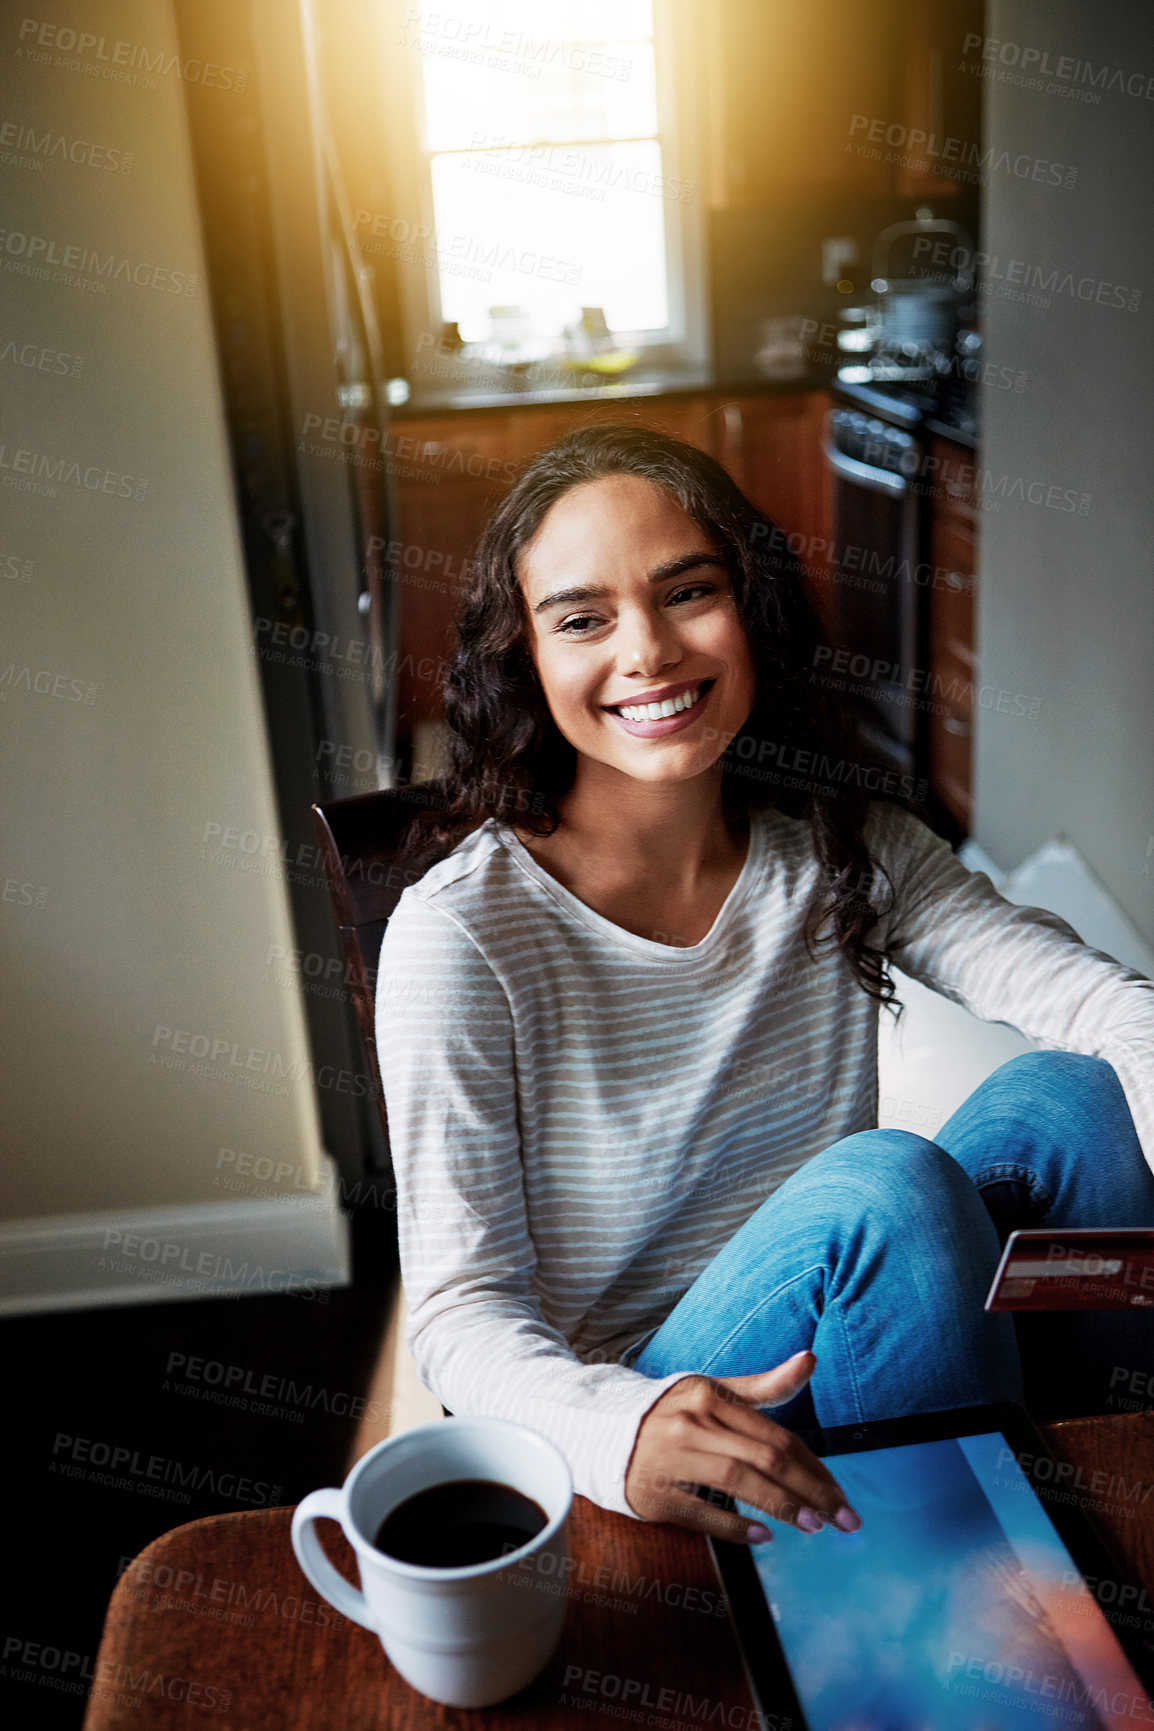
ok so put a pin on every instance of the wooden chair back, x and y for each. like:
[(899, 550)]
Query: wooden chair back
[(360, 840)]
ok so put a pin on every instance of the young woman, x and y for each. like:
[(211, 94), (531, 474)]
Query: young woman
[(627, 1030)]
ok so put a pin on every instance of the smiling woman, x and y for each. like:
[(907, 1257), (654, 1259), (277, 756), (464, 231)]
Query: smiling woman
[(647, 672), (626, 565), (627, 1026)]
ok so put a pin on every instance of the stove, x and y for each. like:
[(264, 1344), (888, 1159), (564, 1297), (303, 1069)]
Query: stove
[(946, 405), (877, 449)]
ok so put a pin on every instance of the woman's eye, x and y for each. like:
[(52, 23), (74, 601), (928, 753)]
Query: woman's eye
[(586, 624), (580, 625)]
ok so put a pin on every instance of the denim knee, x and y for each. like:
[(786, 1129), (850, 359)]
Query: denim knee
[(1082, 1080), (891, 1172)]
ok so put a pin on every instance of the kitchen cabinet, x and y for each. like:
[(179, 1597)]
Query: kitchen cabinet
[(450, 472), (453, 466), (784, 83), (772, 446), (939, 100), (825, 99), (950, 625)]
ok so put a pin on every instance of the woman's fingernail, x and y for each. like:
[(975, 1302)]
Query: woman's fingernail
[(757, 1534), (809, 1521), (846, 1520)]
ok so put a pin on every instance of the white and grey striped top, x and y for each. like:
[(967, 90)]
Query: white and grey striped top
[(580, 1117)]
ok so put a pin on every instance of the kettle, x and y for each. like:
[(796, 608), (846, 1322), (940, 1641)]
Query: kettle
[(920, 313)]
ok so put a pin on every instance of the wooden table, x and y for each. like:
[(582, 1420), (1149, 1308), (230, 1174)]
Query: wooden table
[(214, 1622)]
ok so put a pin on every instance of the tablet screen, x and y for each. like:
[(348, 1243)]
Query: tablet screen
[(956, 1605)]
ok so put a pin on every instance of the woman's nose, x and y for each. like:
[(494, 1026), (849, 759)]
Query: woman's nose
[(647, 643)]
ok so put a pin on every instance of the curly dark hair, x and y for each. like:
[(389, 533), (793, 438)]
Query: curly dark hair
[(508, 760)]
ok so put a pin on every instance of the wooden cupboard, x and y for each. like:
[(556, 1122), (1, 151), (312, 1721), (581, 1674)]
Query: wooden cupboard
[(827, 99)]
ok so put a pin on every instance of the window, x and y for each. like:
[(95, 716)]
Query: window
[(548, 155)]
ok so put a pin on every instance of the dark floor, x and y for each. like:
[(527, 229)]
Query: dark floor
[(158, 1397)]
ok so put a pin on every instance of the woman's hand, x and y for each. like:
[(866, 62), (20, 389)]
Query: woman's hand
[(705, 1430)]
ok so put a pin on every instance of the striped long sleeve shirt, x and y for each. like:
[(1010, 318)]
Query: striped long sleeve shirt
[(580, 1118)]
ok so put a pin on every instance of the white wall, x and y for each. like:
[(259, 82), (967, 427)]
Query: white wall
[(129, 699), (1066, 600)]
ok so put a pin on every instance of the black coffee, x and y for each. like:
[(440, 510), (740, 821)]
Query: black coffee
[(465, 1521)]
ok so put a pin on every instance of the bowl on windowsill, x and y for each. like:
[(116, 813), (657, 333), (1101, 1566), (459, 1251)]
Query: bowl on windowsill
[(607, 365)]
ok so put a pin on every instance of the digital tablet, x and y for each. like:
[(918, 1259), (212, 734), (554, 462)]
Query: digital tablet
[(976, 1596)]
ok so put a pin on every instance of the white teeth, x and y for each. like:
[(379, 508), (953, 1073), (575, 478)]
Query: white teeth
[(659, 711)]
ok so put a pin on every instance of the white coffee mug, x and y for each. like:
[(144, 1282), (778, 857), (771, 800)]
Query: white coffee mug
[(467, 1637)]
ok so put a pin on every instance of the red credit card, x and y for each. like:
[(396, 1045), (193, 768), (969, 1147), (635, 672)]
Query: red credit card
[(1080, 1268)]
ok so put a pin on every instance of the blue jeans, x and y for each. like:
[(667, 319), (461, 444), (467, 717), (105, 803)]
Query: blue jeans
[(878, 1253)]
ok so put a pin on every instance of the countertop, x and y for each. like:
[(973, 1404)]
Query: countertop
[(556, 386)]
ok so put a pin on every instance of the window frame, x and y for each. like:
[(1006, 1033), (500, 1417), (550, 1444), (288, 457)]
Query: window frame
[(684, 342)]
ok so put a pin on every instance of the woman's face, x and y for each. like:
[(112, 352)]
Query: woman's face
[(638, 643)]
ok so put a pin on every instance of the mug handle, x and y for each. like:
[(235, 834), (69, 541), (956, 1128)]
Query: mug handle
[(310, 1554)]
